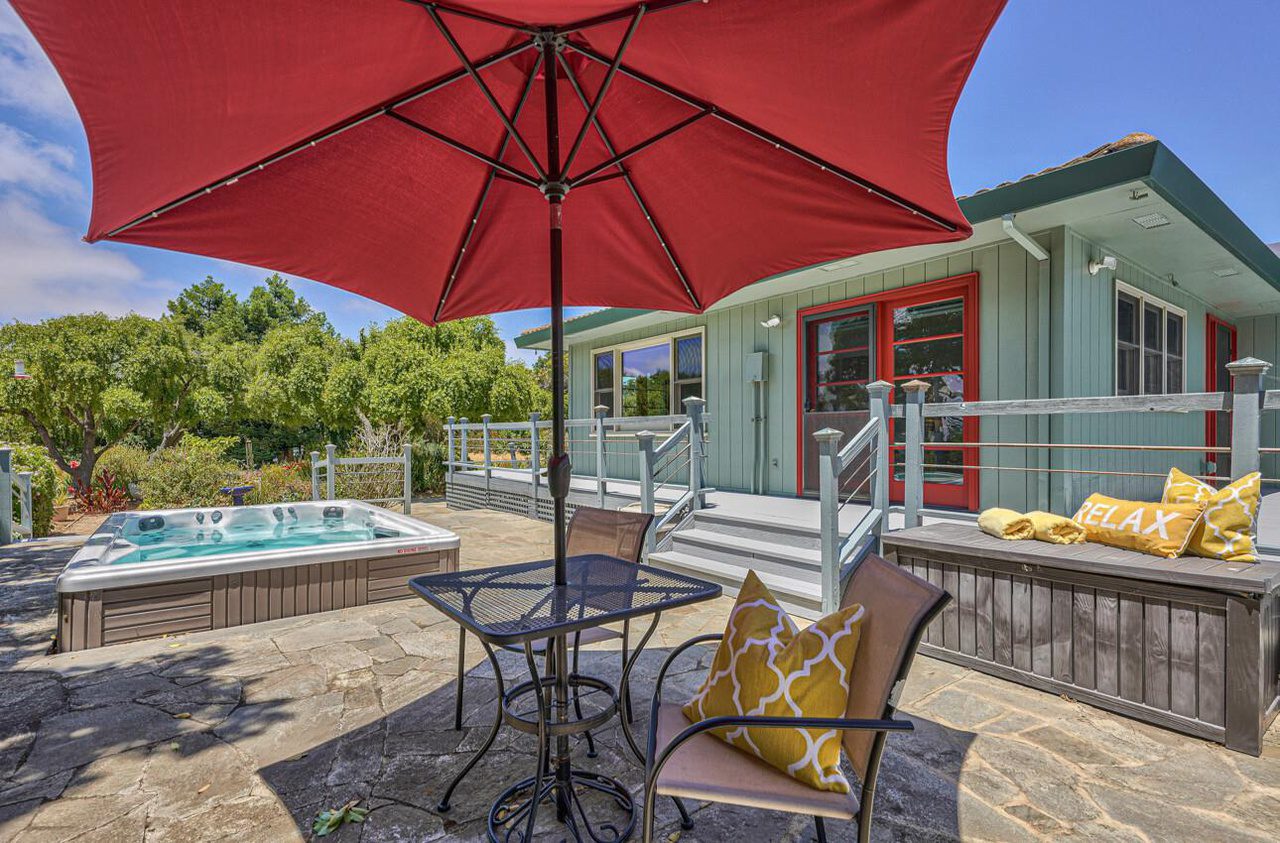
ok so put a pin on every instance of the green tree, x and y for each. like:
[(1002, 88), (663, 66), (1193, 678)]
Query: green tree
[(289, 370), (95, 380), (208, 308), (418, 375)]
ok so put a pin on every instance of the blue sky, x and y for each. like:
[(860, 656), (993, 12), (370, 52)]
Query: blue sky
[(1056, 79)]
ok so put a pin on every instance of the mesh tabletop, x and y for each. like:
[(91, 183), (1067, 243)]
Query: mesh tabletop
[(515, 603)]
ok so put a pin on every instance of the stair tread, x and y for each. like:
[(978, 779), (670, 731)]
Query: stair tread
[(788, 552), (757, 521), (776, 583)]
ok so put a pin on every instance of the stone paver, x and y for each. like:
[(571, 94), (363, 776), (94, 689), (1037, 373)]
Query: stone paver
[(247, 733)]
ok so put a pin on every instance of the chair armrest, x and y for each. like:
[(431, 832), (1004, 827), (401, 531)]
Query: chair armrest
[(662, 675)]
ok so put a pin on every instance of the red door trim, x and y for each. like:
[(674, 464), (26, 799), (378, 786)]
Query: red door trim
[(966, 286), (1212, 323)]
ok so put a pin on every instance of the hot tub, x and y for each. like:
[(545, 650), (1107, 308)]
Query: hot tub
[(167, 572)]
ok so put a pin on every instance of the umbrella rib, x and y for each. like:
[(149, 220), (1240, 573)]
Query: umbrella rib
[(622, 14), (631, 186), (604, 88), (522, 177), (766, 136), (484, 89), (618, 158), (467, 13), (484, 195), (336, 129)]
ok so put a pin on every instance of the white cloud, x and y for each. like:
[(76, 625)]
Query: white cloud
[(47, 270), (27, 78), (40, 167)]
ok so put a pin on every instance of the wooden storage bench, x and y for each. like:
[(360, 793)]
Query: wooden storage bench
[(1190, 644)]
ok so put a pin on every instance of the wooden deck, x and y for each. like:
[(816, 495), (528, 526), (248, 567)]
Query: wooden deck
[(1191, 644)]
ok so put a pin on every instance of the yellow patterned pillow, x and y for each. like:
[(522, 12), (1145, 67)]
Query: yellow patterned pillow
[(1161, 529), (1230, 513), (765, 666)]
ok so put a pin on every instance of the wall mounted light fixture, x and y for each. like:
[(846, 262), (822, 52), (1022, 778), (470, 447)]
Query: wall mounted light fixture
[(772, 322), (1096, 266)]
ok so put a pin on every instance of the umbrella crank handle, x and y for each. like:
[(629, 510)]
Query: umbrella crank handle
[(559, 476)]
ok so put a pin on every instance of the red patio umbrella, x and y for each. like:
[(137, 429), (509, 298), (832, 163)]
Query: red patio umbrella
[(421, 153)]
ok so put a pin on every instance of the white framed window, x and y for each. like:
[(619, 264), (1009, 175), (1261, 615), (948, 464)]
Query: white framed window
[(1150, 342), (649, 377)]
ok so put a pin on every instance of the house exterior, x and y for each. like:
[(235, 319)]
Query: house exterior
[(1118, 273)]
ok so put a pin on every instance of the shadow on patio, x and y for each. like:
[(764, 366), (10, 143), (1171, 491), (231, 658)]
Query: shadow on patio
[(399, 766)]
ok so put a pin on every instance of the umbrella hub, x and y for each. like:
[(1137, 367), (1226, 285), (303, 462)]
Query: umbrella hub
[(554, 189)]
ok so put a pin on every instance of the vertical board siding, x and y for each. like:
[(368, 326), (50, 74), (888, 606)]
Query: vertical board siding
[(1259, 336)]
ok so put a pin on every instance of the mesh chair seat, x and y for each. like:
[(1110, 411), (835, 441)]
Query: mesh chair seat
[(706, 768)]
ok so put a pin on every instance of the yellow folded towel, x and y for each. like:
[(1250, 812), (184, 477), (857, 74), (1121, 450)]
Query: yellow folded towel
[(1056, 529), (1006, 524)]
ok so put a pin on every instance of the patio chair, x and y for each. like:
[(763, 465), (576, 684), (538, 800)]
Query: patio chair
[(604, 531), (686, 762)]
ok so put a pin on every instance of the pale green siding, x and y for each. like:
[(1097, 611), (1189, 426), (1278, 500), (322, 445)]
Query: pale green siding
[(1259, 336), (1013, 360)]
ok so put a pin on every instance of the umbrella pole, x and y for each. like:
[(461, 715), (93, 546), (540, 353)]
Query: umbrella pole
[(559, 469)]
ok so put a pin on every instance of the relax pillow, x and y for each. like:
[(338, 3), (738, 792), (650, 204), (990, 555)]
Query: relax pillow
[(1226, 532), (764, 666), (1161, 529)]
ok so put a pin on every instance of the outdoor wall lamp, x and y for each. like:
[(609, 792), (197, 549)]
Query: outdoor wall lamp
[(1096, 266), (772, 322)]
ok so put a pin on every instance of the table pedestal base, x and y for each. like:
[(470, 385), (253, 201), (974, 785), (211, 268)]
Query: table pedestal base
[(510, 817)]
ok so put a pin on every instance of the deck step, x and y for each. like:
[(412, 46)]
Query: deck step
[(798, 597), (777, 557), (760, 528)]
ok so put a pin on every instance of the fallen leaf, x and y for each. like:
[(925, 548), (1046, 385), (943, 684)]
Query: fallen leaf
[(185, 715), (175, 747), (175, 644), (203, 789)]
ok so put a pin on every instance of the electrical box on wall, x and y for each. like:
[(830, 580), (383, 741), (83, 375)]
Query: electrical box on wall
[(757, 367)]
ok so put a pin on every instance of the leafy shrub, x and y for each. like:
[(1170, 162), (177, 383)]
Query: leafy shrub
[(284, 483), (428, 467), (126, 463), (190, 474), (105, 493), (47, 481)]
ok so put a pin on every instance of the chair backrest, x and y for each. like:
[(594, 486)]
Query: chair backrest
[(608, 531), (899, 605)]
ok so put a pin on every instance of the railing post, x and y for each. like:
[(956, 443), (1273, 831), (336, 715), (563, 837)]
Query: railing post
[(1247, 377), (330, 475), (465, 457), (913, 495), (24, 504), (645, 438), (534, 457), (488, 453), (878, 392), (600, 412), (408, 478), (315, 475), (6, 495), (829, 515), (693, 408), (448, 462)]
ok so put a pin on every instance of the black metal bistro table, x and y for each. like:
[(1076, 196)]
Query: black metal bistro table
[(519, 605)]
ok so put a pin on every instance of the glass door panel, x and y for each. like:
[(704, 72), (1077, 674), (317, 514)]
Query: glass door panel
[(838, 367)]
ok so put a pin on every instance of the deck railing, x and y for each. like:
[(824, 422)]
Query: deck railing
[(682, 453), (12, 482), (376, 474), (859, 468)]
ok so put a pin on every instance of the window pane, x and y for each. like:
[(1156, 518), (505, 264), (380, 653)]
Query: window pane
[(646, 381), (842, 398), (1173, 334), (844, 366), (942, 390), (1126, 371), (928, 320), (1152, 374), (603, 397), (1152, 324), (1126, 318), (688, 358), (928, 356), (852, 331), (604, 370), (692, 389), (944, 467), (1174, 383)]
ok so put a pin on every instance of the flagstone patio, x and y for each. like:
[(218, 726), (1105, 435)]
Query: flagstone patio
[(246, 733)]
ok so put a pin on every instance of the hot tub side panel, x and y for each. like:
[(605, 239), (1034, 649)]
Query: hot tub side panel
[(90, 619)]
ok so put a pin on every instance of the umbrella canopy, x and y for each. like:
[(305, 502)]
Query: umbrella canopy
[(349, 142)]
